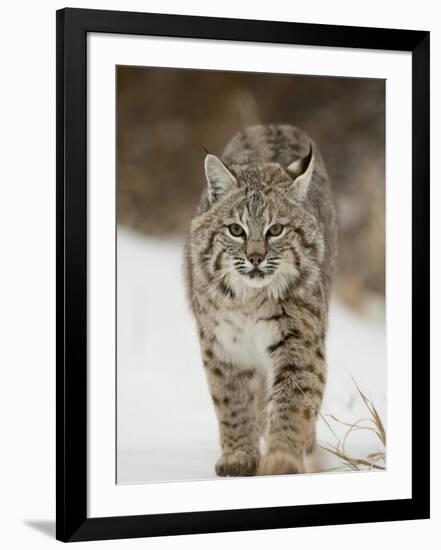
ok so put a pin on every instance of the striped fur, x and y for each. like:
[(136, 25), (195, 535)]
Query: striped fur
[(262, 325)]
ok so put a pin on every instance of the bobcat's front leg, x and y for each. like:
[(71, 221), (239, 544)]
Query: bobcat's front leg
[(295, 396), (233, 391)]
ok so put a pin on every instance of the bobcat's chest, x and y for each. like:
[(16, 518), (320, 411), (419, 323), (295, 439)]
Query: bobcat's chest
[(242, 340)]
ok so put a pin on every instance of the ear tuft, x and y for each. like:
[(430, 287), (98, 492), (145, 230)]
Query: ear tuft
[(301, 171), (219, 179)]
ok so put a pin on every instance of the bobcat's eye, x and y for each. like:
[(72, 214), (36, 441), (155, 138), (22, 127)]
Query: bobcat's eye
[(236, 230), (275, 230)]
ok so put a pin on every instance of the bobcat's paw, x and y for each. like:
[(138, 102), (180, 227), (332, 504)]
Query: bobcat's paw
[(279, 463), (238, 463)]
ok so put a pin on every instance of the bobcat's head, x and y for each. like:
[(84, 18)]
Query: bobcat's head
[(256, 231)]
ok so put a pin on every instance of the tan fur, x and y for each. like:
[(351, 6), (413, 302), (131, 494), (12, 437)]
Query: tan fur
[(262, 325)]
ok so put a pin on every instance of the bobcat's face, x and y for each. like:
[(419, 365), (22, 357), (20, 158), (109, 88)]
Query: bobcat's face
[(262, 242), (257, 234)]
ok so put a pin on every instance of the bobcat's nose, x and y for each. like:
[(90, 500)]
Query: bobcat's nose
[(255, 259)]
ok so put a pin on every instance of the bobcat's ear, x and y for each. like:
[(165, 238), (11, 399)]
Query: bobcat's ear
[(220, 180), (301, 171)]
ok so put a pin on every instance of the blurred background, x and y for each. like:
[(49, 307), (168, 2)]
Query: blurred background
[(165, 118)]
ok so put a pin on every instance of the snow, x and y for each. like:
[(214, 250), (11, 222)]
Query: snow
[(166, 427)]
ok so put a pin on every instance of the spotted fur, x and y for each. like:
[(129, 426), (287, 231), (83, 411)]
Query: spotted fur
[(261, 301)]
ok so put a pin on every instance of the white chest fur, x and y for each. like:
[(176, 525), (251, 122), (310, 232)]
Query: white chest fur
[(243, 339)]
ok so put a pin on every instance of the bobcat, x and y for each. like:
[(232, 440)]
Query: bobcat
[(260, 264)]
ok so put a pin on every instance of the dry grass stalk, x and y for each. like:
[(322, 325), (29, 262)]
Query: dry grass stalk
[(373, 423)]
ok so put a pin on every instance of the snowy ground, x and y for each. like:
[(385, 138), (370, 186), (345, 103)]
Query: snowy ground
[(165, 420)]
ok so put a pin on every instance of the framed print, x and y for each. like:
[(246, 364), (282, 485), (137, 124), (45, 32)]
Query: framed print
[(242, 275)]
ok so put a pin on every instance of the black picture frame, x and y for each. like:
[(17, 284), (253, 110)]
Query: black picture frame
[(72, 523)]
